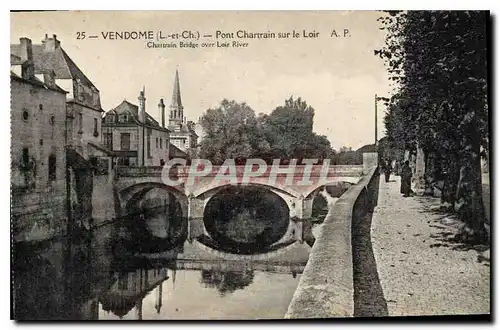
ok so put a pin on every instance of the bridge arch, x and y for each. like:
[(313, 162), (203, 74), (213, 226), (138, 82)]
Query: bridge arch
[(313, 189), (281, 189), (247, 217), (131, 196), (288, 196)]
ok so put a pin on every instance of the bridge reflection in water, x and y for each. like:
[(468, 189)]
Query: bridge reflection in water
[(82, 281), (190, 289), (145, 267)]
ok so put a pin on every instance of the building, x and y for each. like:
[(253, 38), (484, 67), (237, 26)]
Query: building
[(182, 133), (83, 98), (130, 290), (38, 139), (89, 163), (135, 137)]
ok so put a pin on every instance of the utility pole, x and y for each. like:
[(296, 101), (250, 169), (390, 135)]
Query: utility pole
[(376, 139)]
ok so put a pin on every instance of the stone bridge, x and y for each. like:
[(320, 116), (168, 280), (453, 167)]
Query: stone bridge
[(297, 188)]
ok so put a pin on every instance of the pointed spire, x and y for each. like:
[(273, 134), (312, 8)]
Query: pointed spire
[(176, 94), (142, 105), (159, 297)]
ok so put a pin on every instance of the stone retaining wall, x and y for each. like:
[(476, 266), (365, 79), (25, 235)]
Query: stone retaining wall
[(326, 288)]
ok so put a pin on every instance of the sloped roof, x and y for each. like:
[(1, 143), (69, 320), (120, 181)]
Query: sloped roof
[(133, 109), (14, 59), (35, 81), (175, 152), (57, 60), (184, 128)]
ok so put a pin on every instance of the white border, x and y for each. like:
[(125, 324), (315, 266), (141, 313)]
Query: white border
[(183, 5)]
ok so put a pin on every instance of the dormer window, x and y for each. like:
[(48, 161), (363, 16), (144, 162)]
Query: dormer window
[(110, 118), (95, 97), (123, 118), (80, 89), (96, 132)]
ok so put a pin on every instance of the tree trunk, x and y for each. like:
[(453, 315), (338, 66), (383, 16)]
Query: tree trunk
[(470, 191), (419, 171), (429, 173), (451, 170)]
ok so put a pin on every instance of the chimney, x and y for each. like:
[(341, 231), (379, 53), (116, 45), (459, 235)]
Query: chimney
[(49, 78), (161, 107), (26, 54), (51, 44), (142, 105)]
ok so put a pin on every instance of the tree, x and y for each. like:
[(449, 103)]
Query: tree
[(233, 131), (289, 131), (438, 61), (226, 282), (230, 133), (345, 149)]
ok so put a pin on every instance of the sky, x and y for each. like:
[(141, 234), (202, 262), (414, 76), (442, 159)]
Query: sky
[(337, 76)]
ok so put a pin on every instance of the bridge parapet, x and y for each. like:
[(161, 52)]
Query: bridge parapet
[(300, 172), (151, 171), (326, 288), (301, 181)]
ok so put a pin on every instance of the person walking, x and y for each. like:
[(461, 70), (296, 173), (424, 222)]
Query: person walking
[(406, 175), (387, 170)]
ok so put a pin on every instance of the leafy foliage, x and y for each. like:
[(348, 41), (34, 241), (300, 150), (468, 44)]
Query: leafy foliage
[(233, 131), (437, 61)]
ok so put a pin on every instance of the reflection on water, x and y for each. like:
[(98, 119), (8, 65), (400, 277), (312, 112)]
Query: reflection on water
[(205, 294), (226, 282), (85, 281), (246, 218)]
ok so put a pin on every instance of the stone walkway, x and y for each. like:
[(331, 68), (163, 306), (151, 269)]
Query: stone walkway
[(422, 271)]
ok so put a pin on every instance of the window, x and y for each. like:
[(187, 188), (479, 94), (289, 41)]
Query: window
[(41, 142), (52, 120), (123, 283), (40, 106), (108, 140), (149, 147), (156, 143), (25, 115), (95, 97), (125, 141), (124, 161), (93, 161), (79, 89), (110, 118), (123, 118), (161, 143), (96, 132), (52, 168), (80, 123), (26, 157)]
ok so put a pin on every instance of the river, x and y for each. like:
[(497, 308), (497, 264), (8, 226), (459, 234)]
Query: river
[(144, 267)]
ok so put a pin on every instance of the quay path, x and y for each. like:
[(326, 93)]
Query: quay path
[(421, 270)]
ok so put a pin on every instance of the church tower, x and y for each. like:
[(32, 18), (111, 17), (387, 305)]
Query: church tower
[(176, 108), (182, 134), (142, 118)]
